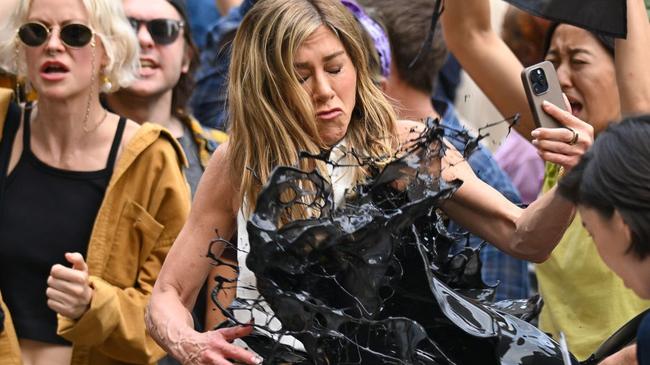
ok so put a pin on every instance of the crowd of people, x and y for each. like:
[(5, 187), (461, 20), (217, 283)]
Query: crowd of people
[(136, 137)]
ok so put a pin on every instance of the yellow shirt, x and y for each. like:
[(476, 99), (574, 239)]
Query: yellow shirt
[(583, 297)]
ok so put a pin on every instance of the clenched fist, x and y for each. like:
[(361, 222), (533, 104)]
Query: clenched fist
[(69, 292)]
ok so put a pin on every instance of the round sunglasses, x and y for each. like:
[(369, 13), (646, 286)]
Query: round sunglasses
[(74, 35), (162, 31)]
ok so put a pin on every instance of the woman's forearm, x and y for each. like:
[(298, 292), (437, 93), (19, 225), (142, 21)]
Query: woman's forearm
[(529, 234), (541, 225), (632, 55), (169, 322)]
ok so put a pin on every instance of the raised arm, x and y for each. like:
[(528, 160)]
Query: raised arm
[(632, 55), (168, 316), (486, 58), (529, 234)]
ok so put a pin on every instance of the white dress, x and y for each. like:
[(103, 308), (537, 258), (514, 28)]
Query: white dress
[(342, 178)]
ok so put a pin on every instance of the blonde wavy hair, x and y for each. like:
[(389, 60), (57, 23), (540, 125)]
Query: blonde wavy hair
[(106, 18), (271, 117)]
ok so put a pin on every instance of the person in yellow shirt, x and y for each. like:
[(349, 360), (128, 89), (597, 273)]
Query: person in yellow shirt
[(584, 299), (611, 187)]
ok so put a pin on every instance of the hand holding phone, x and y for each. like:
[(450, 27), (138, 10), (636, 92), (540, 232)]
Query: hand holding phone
[(541, 83)]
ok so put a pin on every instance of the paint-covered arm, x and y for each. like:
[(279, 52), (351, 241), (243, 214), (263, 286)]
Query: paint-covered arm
[(486, 58), (225, 294), (185, 269), (632, 55), (529, 234)]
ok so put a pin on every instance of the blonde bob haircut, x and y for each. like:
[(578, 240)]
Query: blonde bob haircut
[(108, 21), (271, 117)]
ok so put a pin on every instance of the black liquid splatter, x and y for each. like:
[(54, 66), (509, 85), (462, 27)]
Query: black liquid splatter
[(373, 281)]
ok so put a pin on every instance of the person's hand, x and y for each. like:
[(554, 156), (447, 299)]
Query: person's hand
[(626, 356), (69, 292), (215, 348), (563, 146)]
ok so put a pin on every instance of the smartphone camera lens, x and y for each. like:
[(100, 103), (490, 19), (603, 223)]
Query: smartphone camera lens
[(538, 81)]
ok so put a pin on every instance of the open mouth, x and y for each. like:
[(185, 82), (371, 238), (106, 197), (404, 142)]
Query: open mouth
[(576, 108), (148, 64), (52, 68), (147, 67)]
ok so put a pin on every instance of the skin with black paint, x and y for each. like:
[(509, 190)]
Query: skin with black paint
[(371, 281)]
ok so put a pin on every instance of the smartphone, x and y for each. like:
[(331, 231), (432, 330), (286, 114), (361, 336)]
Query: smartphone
[(541, 83)]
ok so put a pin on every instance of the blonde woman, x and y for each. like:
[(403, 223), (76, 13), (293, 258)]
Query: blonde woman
[(299, 81), (91, 201)]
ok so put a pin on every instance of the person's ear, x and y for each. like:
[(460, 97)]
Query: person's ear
[(187, 59), (621, 226)]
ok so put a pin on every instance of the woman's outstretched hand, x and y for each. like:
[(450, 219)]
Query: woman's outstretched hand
[(68, 290), (563, 146), (215, 348)]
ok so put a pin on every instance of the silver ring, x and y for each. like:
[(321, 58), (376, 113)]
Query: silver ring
[(574, 139)]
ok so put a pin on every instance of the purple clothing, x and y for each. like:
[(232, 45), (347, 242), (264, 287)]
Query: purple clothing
[(519, 159)]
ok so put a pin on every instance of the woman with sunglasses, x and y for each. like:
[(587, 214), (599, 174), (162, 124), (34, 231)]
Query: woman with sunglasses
[(168, 58), (91, 201)]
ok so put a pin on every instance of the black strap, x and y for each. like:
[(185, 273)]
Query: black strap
[(6, 143), (27, 117), (116, 144)]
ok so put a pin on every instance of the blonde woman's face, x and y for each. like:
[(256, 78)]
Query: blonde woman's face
[(58, 71), (327, 74)]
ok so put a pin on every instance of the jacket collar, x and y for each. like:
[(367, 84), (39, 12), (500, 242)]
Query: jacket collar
[(146, 135)]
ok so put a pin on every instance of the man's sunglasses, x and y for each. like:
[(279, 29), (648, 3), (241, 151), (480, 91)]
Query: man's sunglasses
[(162, 31), (74, 35)]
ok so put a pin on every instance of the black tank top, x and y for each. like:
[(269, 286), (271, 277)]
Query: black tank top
[(45, 212)]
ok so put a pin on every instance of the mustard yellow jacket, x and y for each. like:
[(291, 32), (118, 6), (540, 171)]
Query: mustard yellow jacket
[(145, 205)]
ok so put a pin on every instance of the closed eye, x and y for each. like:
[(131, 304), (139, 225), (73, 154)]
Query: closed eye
[(335, 70), (302, 79), (578, 62)]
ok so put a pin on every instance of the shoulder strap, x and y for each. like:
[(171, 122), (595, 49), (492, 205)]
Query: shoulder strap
[(9, 130), (110, 164)]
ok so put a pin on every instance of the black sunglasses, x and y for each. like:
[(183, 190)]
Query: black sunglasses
[(162, 31), (75, 35)]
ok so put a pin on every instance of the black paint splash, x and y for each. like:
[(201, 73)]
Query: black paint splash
[(373, 281)]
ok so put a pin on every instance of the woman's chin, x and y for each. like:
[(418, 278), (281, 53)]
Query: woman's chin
[(331, 139)]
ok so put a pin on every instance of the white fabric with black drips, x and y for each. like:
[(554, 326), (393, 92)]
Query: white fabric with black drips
[(342, 178)]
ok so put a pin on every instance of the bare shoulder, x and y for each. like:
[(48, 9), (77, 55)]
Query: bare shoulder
[(218, 182)]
